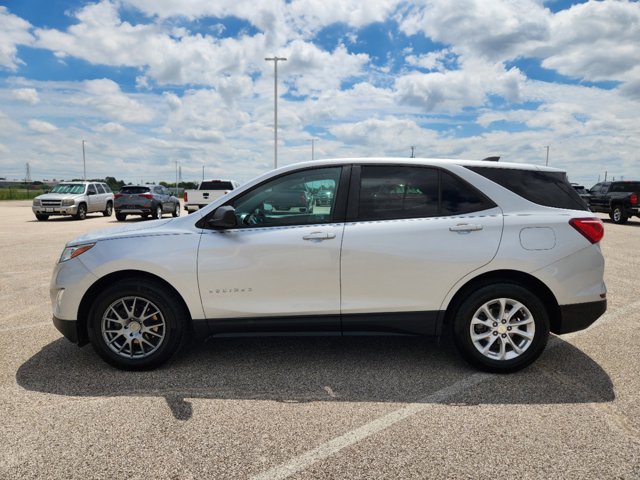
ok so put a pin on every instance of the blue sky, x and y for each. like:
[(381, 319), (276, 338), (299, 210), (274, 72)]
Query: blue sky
[(151, 84)]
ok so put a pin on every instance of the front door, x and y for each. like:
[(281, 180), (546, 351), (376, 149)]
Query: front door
[(278, 262)]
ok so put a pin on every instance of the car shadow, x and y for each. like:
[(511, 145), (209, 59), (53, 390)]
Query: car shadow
[(310, 369)]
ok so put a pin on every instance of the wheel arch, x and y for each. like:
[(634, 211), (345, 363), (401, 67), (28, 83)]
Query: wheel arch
[(525, 280), (104, 282)]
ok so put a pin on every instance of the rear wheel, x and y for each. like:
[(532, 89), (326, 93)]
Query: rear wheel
[(158, 211), (136, 325), (121, 217), (82, 212), (617, 215), (42, 217), (501, 328), (176, 210), (109, 210)]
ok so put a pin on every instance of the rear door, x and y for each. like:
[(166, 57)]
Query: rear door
[(411, 233)]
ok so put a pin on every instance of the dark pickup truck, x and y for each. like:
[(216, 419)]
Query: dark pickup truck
[(618, 199)]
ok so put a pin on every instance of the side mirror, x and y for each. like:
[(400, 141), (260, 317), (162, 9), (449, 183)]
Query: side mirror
[(223, 217)]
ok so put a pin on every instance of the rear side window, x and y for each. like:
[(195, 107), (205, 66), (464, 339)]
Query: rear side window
[(627, 187), (216, 185), (134, 190), (395, 192), (99, 188), (550, 189)]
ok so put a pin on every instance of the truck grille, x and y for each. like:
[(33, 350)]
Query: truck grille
[(51, 203)]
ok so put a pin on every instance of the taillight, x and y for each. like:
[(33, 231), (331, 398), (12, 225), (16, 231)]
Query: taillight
[(184, 196), (117, 195), (146, 195), (633, 198), (591, 228)]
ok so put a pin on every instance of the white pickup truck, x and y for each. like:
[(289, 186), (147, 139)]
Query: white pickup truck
[(207, 192)]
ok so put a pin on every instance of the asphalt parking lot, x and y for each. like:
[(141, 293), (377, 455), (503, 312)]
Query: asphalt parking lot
[(273, 408)]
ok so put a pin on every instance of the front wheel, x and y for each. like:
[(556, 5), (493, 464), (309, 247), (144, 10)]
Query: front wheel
[(136, 325), (81, 214), (617, 215), (501, 328)]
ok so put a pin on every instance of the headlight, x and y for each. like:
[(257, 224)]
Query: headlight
[(37, 202), (67, 202), (72, 252)]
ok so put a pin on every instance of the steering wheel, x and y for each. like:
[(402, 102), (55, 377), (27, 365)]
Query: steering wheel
[(255, 217)]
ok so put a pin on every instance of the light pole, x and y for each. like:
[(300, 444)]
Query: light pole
[(313, 141), (547, 162), (413, 152), (84, 164), (275, 60)]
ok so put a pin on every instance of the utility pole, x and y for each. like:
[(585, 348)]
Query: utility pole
[(176, 177), (313, 140), (275, 60), (547, 162), (413, 149), (203, 172), (84, 164)]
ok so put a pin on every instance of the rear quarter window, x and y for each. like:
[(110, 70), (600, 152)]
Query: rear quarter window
[(550, 189)]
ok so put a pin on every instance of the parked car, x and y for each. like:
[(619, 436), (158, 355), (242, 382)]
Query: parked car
[(75, 199), (207, 192), (583, 192), (145, 200), (498, 254), (621, 200)]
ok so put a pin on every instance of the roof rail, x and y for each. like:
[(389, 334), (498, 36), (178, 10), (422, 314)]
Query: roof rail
[(491, 159)]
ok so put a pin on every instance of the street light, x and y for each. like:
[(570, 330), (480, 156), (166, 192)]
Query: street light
[(275, 61), (547, 162), (313, 141), (84, 164)]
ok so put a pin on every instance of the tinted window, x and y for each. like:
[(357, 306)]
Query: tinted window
[(134, 190), (99, 188), (550, 189), (216, 185), (298, 198), (393, 192), (628, 187), (106, 188)]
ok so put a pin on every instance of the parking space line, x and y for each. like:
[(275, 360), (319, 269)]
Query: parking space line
[(354, 436)]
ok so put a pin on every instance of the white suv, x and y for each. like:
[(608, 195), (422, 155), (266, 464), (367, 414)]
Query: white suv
[(497, 253), (75, 199)]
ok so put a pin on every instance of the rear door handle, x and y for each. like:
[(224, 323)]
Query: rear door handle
[(466, 227), (319, 236)]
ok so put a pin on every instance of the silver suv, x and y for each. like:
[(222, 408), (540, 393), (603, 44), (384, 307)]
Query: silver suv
[(75, 199), (498, 254)]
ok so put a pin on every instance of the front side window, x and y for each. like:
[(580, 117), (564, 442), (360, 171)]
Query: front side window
[(396, 192), (301, 198)]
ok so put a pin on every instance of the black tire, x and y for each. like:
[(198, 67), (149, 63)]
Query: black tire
[(530, 334), (109, 210), (176, 210), (617, 215), (81, 214), (157, 213), (42, 217), (144, 343), (121, 217)]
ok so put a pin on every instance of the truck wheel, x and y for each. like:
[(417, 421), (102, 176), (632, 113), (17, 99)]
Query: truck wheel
[(501, 327), (42, 217), (82, 212), (617, 215)]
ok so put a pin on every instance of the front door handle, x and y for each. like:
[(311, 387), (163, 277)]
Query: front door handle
[(319, 236), (466, 227)]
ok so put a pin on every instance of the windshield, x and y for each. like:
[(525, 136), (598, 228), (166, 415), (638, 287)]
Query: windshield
[(74, 188)]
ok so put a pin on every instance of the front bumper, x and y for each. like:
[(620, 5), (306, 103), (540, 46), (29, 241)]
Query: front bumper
[(72, 210), (68, 328), (578, 316)]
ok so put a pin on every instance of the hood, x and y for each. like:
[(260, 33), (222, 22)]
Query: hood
[(58, 196), (143, 229)]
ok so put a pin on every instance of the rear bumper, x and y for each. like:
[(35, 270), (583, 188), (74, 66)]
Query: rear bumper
[(578, 316)]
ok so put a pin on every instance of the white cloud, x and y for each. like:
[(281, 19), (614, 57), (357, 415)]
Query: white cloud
[(14, 31), (41, 126), (110, 128), (105, 95), (27, 95)]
